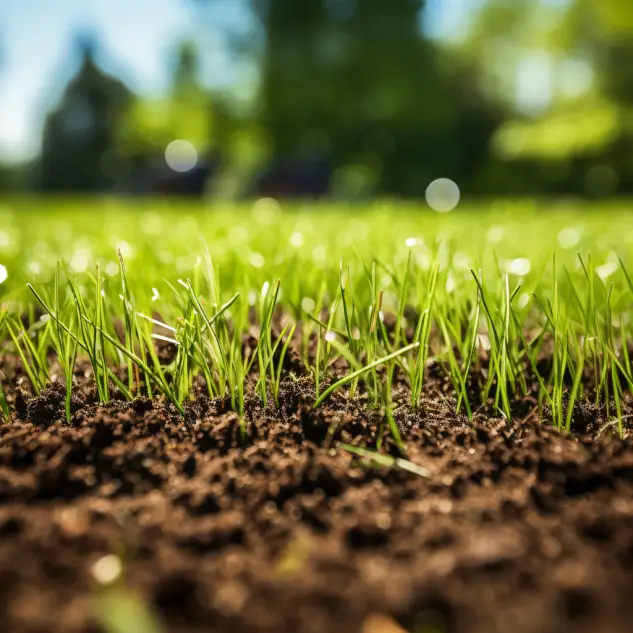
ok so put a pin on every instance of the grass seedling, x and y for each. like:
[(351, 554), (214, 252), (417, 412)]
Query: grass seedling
[(421, 338), (65, 345), (91, 339), (458, 378), (3, 399), (359, 372), (266, 305), (132, 335), (497, 371), (33, 364), (350, 317), (81, 344), (206, 338), (158, 378), (285, 337)]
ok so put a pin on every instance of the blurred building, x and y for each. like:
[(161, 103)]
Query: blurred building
[(104, 138), (80, 134)]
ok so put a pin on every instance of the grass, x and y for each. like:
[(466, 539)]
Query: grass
[(508, 301)]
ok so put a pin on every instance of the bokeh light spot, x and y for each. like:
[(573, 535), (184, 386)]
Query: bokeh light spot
[(266, 211), (153, 223), (568, 238), (256, 260), (494, 234), (181, 156), (606, 270), (307, 304), (107, 569), (112, 269), (79, 263), (442, 195), (520, 266), (125, 248), (296, 239)]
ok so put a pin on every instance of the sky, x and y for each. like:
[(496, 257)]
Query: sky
[(137, 38), (36, 51)]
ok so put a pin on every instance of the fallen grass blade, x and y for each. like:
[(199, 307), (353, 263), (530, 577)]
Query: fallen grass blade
[(386, 461), (120, 611)]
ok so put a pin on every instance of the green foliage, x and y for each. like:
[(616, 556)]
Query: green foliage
[(359, 85)]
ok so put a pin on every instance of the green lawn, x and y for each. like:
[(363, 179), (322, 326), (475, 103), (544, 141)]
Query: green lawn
[(500, 286)]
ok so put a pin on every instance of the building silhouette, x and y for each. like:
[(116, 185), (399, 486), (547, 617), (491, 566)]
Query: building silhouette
[(80, 134)]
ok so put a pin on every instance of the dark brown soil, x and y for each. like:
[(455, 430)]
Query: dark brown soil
[(516, 530)]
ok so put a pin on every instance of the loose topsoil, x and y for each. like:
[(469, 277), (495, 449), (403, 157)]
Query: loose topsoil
[(517, 529)]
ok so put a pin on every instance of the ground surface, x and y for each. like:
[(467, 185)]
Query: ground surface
[(519, 530), (133, 509)]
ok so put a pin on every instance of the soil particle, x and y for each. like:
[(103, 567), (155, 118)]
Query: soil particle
[(519, 528)]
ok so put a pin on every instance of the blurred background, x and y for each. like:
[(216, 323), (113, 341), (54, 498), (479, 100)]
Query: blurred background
[(346, 99)]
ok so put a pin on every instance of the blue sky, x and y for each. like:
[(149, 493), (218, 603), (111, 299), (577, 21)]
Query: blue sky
[(36, 50)]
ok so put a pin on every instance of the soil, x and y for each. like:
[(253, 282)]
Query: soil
[(517, 528)]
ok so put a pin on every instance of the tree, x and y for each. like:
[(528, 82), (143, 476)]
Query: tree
[(149, 125), (581, 139), (358, 84)]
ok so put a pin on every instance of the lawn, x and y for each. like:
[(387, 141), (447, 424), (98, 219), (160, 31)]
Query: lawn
[(296, 405)]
